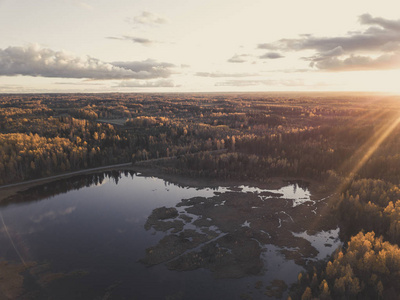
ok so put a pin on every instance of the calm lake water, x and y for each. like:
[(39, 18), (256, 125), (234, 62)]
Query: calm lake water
[(85, 238)]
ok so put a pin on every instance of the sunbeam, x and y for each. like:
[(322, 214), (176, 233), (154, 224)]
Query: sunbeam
[(11, 240)]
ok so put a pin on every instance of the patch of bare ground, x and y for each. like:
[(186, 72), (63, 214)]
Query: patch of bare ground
[(232, 229)]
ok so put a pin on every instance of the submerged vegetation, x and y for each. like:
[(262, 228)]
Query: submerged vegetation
[(348, 143)]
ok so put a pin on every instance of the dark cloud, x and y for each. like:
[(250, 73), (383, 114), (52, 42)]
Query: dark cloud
[(370, 49), (238, 58), (148, 18), (39, 62), (219, 75), (146, 84), (367, 41), (271, 55), (137, 40), (367, 19)]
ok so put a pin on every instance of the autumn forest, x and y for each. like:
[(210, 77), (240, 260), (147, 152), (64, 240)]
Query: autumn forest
[(346, 144)]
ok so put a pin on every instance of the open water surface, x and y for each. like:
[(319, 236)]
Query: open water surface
[(85, 238)]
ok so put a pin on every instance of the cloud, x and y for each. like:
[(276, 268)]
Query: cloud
[(271, 55), (388, 24), (238, 58), (376, 47), (84, 83), (267, 46), (375, 39), (10, 87), (51, 215), (148, 18), (147, 69), (218, 74), (359, 63), (38, 62), (136, 40), (147, 84), (269, 82), (338, 51)]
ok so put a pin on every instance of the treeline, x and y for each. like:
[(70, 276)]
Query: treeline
[(54, 136), (368, 210), (310, 152), (233, 165), (371, 205), (75, 144), (369, 268)]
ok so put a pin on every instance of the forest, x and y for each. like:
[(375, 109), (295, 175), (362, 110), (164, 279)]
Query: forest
[(349, 143)]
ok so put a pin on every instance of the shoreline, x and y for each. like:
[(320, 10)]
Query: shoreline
[(178, 179), (11, 189)]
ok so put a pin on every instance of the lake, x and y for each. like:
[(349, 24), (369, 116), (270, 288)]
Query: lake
[(123, 235)]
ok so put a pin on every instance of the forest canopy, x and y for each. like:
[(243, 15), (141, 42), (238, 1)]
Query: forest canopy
[(348, 143)]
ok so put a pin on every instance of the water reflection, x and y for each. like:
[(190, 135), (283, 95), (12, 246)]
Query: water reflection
[(94, 236), (229, 232), (62, 186)]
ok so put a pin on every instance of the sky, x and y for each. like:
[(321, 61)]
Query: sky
[(199, 46)]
